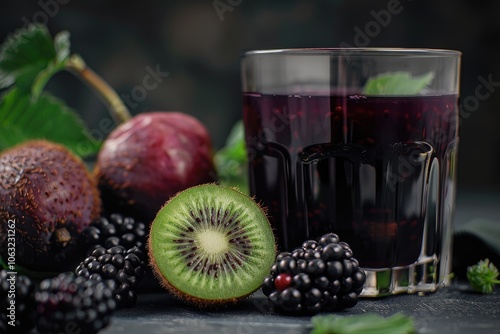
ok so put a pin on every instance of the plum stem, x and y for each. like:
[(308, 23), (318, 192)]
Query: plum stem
[(118, 110)]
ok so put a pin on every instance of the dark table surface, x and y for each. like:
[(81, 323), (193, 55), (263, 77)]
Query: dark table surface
[(449, 310)]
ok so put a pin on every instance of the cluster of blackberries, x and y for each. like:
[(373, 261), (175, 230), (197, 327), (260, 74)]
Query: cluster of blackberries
[(67, 301), (119, 268), (17, 301), (115, 230), (55, 305), (319, 276), (85, 300)]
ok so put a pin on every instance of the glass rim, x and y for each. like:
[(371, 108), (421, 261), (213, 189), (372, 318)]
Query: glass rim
[(365, 51)]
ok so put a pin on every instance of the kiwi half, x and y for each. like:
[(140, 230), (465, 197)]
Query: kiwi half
[(211, 245)]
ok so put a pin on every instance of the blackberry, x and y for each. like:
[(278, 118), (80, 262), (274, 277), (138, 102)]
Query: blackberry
[(120, 269), (319, 276), (17, 293), (115, 230), (76, 303)]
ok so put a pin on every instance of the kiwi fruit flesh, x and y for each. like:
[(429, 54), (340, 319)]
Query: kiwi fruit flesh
[(211, 245)]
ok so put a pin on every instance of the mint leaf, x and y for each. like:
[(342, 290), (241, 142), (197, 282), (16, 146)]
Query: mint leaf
[(29, 58), (24, 54), (60, 62), (397, 83), (22, 118), (368, 323), (231, 160)]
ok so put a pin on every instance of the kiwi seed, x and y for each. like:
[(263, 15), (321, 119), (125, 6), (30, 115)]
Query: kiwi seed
[(211, 245)]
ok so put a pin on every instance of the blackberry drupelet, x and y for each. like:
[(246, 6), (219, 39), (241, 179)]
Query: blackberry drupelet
[(120, 269), (321, 275), (115, 230), (66, 301), (17, 293)]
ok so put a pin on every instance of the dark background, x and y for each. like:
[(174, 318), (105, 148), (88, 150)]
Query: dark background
[(200, 50)]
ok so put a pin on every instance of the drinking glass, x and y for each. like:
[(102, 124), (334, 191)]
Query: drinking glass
[(361, 142)]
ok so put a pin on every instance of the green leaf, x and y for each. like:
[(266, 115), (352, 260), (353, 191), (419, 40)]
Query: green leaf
[(488, 231), (24, 54), (368, 323), (231, 160), (29, 57), (235, 143), (62, 49), (22, 118), (62, 46), (397, 83)]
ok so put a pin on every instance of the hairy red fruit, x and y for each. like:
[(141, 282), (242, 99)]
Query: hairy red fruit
[(47, 197)]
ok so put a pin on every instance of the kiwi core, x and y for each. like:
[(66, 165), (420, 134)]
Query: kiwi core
[(213, 242)]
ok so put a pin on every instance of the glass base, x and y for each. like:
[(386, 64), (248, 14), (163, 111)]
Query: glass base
[(415, 278)]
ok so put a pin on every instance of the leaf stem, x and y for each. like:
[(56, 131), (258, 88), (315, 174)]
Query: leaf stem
[(118, 110)]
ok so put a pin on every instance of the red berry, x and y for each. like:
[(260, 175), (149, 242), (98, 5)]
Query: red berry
[(282, 281)]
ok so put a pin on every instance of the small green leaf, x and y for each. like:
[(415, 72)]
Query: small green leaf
[(231, 160), (62, 49), (62, 46), (368, 323), (397, 83), (235, 142), (29, 57), (24, 54), (22, 118)]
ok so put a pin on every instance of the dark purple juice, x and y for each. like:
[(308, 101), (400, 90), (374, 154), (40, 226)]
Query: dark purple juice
[(376, 170)]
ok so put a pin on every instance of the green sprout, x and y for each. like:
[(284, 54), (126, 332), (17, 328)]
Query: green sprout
[(483, 276)]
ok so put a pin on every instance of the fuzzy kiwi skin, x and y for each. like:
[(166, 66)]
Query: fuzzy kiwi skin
[(150, 158), (51, 196), (191, 300), (185, 297)]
